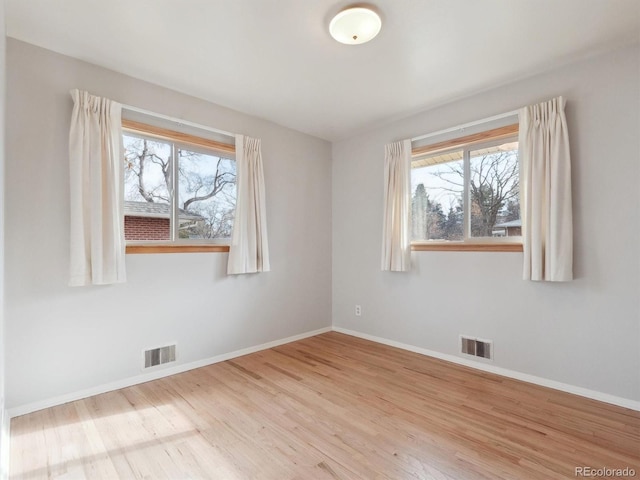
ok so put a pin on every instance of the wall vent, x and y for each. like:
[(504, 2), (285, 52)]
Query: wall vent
[(476, 347), (158, 356)]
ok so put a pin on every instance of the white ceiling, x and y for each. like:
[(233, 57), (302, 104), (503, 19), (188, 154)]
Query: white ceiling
[(275, 59)]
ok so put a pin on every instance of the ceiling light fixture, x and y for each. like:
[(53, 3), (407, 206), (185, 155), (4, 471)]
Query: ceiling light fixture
[(355, 25)]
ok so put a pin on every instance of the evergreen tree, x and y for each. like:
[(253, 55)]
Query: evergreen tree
[(436, 220), (453, 224), (419, 207), (427, 218), (512, 211)]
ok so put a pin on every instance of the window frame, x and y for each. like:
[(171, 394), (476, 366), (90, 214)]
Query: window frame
[(467, 144), (186, 141)]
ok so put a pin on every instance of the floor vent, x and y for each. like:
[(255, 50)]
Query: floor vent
[(158, 356), (476, 347)]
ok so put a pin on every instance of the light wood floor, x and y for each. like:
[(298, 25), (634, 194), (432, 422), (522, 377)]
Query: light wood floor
[(331, 406)]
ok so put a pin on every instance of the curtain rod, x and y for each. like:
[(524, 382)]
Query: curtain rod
[(466, 125), (179, 121)]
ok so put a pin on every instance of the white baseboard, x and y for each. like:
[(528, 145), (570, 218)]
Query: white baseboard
[(525, 377), (146, 377), (127, 382)]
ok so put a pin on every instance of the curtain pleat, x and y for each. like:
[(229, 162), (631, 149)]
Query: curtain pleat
[(396, 244), (249, 251), (97, 245), (545, 189)]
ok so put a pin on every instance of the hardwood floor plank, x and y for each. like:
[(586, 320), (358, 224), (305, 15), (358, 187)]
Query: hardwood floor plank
[(326, 407)]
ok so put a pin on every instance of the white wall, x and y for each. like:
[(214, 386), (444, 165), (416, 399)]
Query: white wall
[(585, 333), (62, 339), (4, 421)]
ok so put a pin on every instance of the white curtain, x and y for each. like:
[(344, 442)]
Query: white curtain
[(96, 197), (545, 190), (396, 244), (249, 251)]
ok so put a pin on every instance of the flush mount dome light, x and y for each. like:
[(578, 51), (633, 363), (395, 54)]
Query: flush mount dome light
[(355, 25)]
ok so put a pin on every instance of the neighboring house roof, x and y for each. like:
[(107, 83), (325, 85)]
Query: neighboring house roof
[(154, 210), (512, 223)]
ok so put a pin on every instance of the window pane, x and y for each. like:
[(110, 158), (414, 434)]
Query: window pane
[(207, 195), (436, 197), (494, 191), (147, 174)]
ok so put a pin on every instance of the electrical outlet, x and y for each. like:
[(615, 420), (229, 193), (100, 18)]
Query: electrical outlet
[(358, 311)]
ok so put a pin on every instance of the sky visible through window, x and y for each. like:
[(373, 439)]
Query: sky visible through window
[(440, 190), (438, 186), (206, 186)]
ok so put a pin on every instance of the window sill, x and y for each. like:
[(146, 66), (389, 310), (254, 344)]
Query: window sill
[(133, 249), (466, 247)]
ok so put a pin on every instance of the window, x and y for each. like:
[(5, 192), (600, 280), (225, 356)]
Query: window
[(465, 192), (179, 190)]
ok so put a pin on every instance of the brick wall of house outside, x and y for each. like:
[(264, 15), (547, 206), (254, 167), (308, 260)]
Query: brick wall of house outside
[(146, 228)]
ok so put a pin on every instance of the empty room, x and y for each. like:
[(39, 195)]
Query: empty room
[(294, 239)]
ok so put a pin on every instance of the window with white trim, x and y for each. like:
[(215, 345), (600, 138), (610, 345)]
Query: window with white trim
[(179, 189), (466, 190)]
